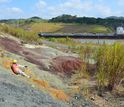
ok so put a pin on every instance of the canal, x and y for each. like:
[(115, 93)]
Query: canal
[(100, 41)]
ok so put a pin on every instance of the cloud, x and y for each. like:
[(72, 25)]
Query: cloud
[(104, 10), (77, 4), (79, 8), (100, 0), (11, 12), (4, 1), (41, 4), (73, 7), (14, 10), (121, 2)]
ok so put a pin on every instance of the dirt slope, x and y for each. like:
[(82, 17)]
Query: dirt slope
[(45, 89), (15, 92)]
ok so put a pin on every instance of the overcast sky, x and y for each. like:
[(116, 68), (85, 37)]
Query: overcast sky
[(51, 8)]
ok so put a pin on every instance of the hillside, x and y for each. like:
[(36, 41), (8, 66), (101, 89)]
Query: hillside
[(62, 24), (63, 72), (109, 22), (22, 21), (62, 76), (75, 28), (46, 87), (68, 24), (69, 28)]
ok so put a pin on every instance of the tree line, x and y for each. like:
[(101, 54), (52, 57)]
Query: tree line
[(110, 21)]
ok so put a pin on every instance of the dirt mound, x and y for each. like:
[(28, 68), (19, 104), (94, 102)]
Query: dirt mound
[(66, 64)]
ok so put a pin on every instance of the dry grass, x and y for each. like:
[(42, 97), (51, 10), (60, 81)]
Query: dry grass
[(41, 83), (4, 60), (68, 28), (20, 33), (46, 27), (84, 28), (110, 62), (59, 94), (7, 63)]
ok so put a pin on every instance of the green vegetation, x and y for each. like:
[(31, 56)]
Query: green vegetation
[(68, 28), (84, 28), (19, 33), (110, 63), (29, 32), (66, 41), (66, 24), (102, 63), (19, 22), (110, 22), (99, 29)]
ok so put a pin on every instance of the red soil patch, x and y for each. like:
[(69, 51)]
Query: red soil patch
[(15, 47), (10, 45), (66, 64)]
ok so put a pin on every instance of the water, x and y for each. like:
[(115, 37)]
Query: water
[(99, 41)]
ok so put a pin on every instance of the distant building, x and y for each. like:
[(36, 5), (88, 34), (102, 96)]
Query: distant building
[(120, 31)]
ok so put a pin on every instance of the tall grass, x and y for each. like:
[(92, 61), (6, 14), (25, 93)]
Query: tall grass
[(19, 33), (109, 68), (66, 41), (110, 63)]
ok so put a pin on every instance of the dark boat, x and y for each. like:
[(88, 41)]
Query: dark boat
[(81, 36)]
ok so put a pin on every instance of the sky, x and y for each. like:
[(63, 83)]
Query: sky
[(14, 9)]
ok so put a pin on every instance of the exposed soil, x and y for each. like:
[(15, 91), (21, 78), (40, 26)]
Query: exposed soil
[(10, 45), (66, 65), (15, 93), (49, 60), (61, 64)]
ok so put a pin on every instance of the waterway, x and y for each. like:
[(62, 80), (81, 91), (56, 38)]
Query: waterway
[(100, 41)]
